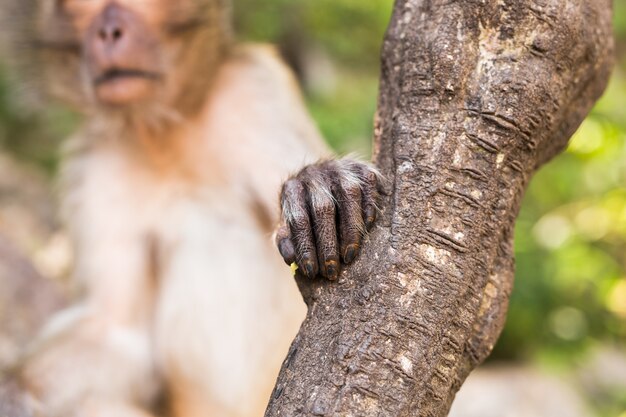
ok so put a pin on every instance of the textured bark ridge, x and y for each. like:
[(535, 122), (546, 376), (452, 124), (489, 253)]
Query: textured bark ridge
[(475, 96)]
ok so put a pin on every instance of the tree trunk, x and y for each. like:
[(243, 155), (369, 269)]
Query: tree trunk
[(475, 96)]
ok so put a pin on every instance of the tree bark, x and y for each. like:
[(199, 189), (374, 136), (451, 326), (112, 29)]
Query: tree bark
[(475, 96)]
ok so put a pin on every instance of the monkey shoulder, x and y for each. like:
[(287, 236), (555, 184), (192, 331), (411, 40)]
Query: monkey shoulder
[(258, 72), (263, 123), (263, 63)]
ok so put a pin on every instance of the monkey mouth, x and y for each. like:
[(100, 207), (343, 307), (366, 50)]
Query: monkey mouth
[(119, 87), (115, 74)]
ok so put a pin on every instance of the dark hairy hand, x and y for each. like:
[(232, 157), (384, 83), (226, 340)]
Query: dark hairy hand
[(326, 210)]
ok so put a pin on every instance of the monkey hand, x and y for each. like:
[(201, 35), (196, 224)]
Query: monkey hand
[(326, 210)]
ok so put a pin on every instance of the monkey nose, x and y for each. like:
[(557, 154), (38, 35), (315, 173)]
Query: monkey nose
[(110, 28), (111, 34)]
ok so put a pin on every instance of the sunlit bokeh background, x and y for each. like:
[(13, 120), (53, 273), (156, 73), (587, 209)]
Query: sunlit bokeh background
[(567, 317)]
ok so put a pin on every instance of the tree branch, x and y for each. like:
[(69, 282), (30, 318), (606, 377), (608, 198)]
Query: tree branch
[(475, 96)]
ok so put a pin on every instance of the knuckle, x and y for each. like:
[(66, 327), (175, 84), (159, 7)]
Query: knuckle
[(371, 176), (351, 189), (280, 235), (352, 208), (308, 171), (299, 219), (325, 207), (325, 238), (303, 247), (292, 186), (322, 200), (354, 228)]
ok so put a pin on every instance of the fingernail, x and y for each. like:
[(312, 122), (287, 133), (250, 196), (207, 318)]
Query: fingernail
[(331, 270), (310, 270), (350, 254)]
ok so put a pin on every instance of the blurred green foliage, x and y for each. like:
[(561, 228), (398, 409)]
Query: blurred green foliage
[(570, 288), (33, 136), (571, 243), (350, 33), (351, 30)]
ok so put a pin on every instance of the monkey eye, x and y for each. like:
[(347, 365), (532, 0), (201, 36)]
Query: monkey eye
[(185, 26), (57, 46)]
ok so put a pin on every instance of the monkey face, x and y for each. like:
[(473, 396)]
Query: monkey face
[(121, 54), (126, 53)]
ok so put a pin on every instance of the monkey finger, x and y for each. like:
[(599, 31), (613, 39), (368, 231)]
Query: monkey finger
[(370, 196), (351, 226), (285, 245), (323, 214), (296, 213)]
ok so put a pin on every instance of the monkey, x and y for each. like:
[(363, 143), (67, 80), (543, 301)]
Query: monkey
[(169, 185)]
